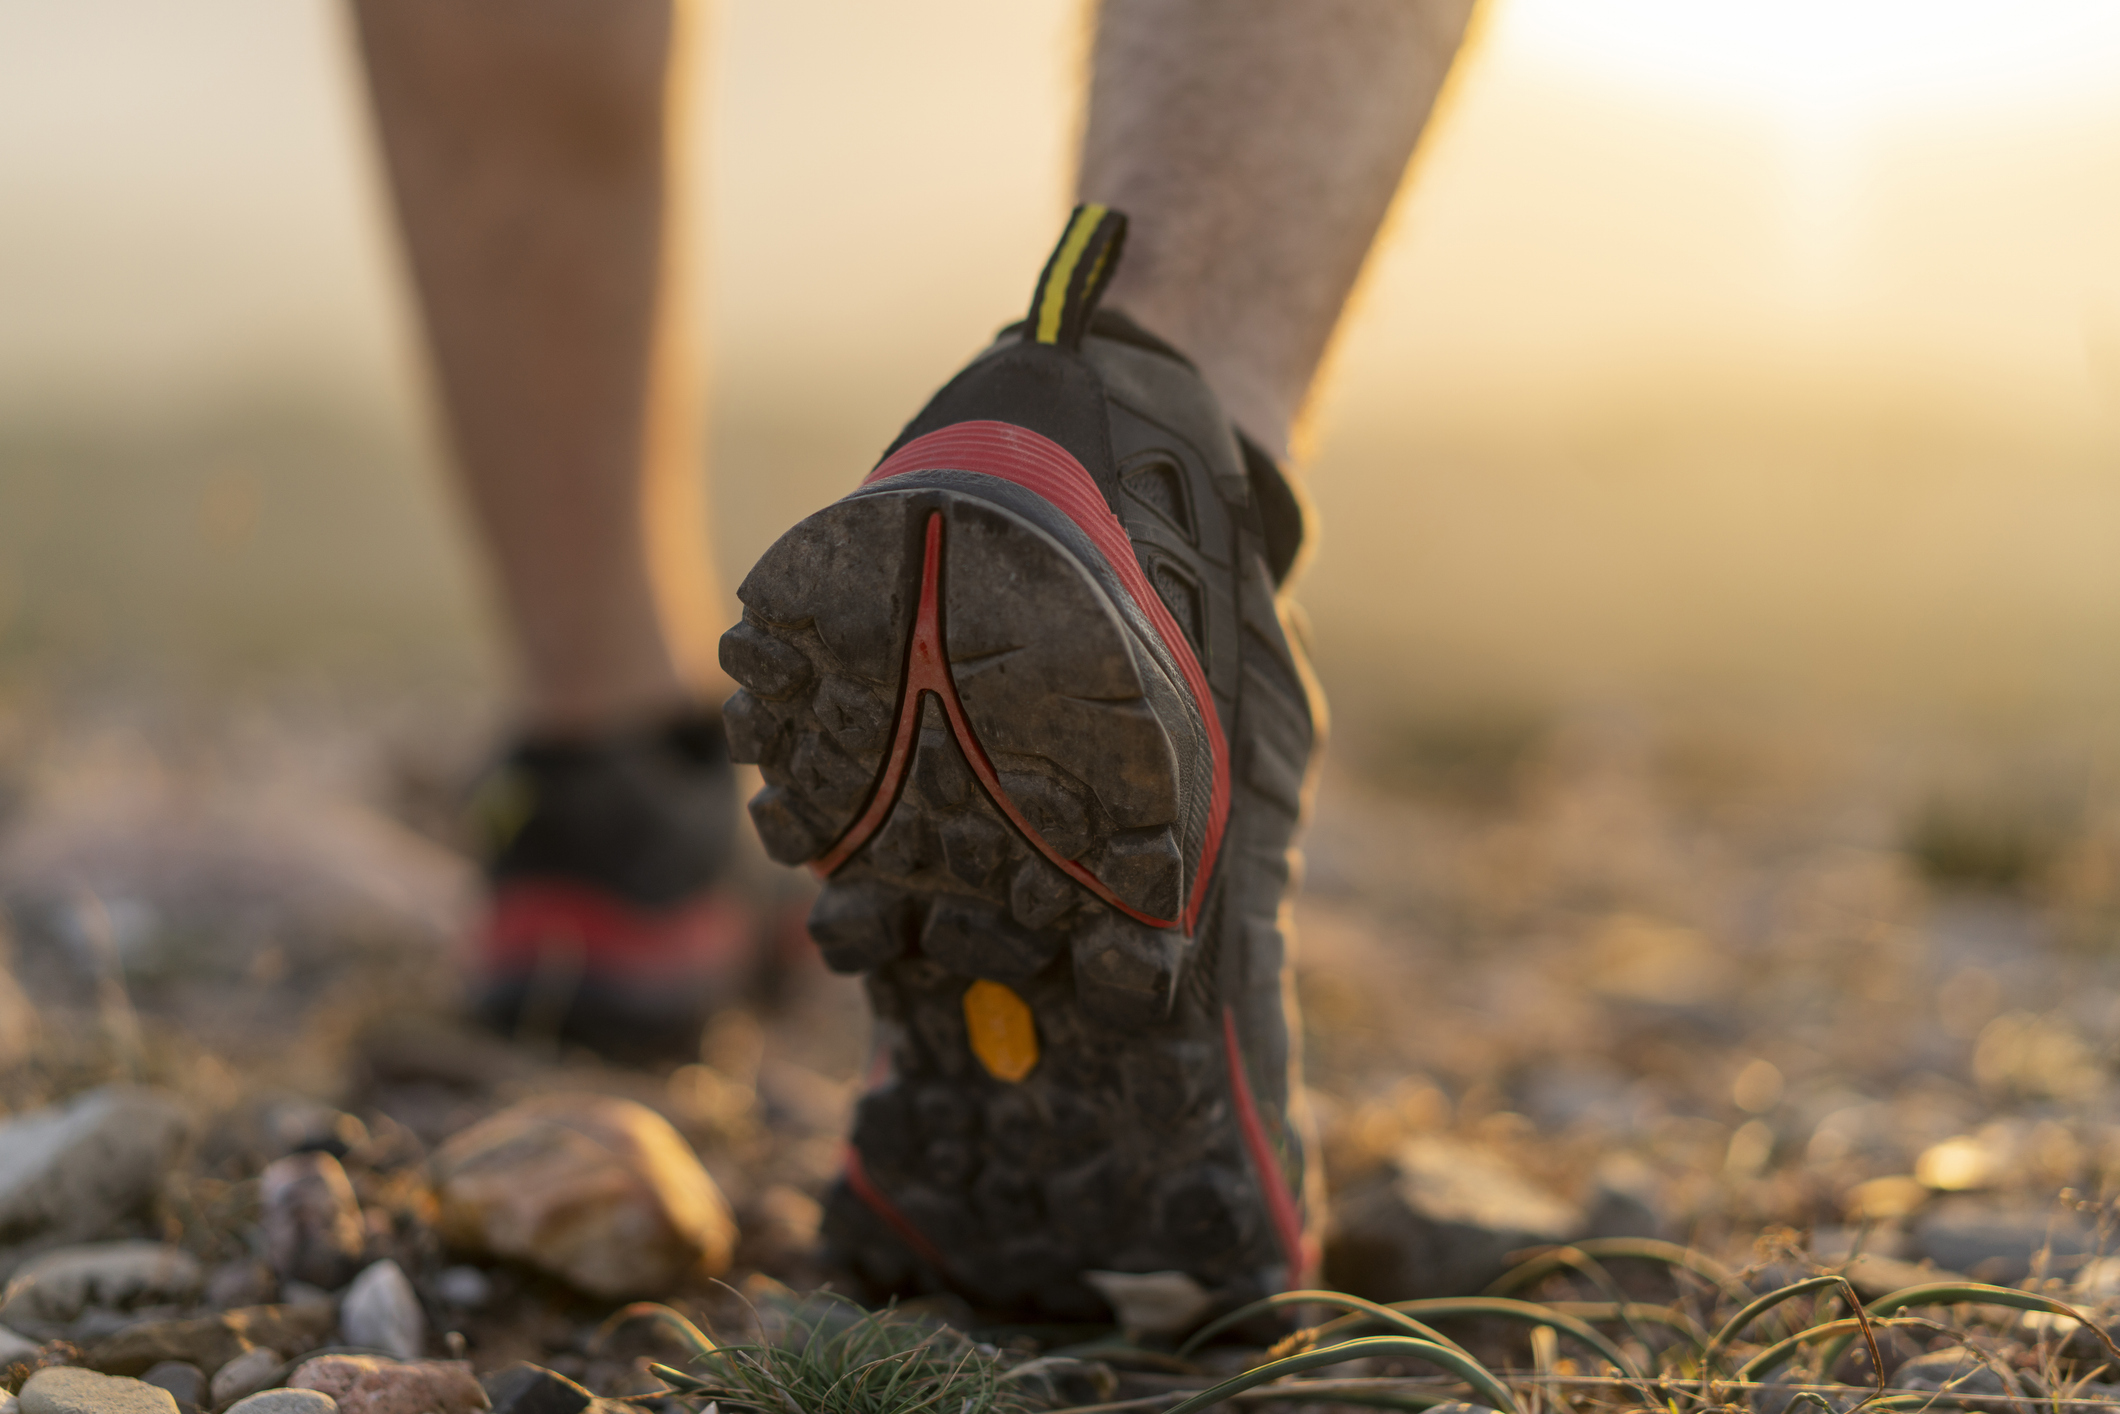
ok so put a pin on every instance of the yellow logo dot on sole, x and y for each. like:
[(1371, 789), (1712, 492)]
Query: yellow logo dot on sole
[(1003, 1035)]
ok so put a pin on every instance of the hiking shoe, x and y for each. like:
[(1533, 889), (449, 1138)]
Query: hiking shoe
[(1026, 703), (609, 921)]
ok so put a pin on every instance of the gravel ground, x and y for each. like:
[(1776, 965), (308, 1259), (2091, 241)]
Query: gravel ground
[(1779, 993)]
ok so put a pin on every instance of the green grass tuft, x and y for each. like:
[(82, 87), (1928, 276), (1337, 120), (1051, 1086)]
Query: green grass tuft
[(832, 1357)]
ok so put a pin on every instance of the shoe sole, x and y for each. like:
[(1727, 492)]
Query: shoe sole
[(959, 729)]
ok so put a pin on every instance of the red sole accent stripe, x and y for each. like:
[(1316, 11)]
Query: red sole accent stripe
[(1046, 469), (927, 670), (1280, 1203), (857, 1179), (708, 935)]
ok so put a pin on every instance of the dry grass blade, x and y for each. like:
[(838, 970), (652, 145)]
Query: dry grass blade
[(1364, 1311), (1961, 1293), (1640, 1249), (1524, 1312), (1455, 1361), (684, 1330), (1775, 1355), (1737, 1324)]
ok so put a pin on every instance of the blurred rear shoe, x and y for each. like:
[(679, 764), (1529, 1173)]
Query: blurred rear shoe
[(610, 920), (1026, 702)]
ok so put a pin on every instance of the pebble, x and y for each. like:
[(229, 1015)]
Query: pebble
[(467, 1287), (1958, 1369), (244, 1281), (601, 1192), (60, 1284), (248, 1373), (67, 1389), (382, 1312), (15, 1346), (1152, 1303), (184, 1381), (369, 1384), (1777, 1394), (20, 1028), (212, 1341), (1998, 1244), (312, 1219), (523, 1388), (295, 1125), (73, 1170), (286, 1401), (1441, 1220)]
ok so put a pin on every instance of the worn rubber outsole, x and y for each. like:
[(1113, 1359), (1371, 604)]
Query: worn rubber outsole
[(962, 732)]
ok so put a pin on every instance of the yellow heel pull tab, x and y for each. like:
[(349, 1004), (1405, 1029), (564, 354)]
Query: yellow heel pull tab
[(1003, 1035), (1075, 276)]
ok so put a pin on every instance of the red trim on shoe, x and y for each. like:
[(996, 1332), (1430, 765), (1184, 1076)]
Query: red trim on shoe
[(927, 670), (857, 1179), (705, 936), (1045, 468), (1280, 1203)]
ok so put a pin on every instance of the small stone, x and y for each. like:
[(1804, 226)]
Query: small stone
[(15, 1346), (62, 1283), (467, 1287), (1441, 1220), (1152, 1303), (10, 1405), (368, 1384), (312, 1219), (242, 1282), (20, 1028), (248, 1373), (382, 1312), (74, 1170), (1959, 1370), (532, 1389), (294, 1126), (184, 1381), (1777, 1394), (212, 1341), (2000, 1244), (67, 1389), (599, 1191), (286, 1401)]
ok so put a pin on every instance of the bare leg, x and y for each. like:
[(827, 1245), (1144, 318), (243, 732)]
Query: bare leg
[(528, 149), (1255, 146)]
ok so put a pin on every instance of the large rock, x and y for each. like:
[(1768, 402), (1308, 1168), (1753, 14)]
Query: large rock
[(601, 1192), (60, 1284), (65, 1389), (74, 1170), (312, 1219), (367, 1384), (382, 1312), (1441, 1220), (212, 1341)]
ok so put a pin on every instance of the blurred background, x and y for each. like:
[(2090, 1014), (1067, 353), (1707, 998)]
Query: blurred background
[(1733, 352), (1719, 588)]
